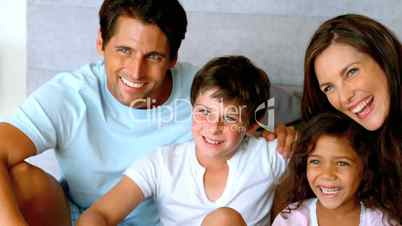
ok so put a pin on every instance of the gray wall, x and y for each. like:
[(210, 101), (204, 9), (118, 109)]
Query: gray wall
[(273, 33)]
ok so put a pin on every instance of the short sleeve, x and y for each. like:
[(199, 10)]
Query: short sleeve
[(145, 173), (49, 114), (276, 162)]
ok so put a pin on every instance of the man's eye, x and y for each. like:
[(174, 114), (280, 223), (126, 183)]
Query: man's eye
[(155, 57), (124, 51)]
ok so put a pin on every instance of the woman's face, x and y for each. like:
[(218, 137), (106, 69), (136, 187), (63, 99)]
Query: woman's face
[(354, 84)]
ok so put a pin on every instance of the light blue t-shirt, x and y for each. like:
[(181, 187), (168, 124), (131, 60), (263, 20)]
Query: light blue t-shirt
[(95, 137)]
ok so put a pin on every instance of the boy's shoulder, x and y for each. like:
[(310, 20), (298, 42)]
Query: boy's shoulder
[(175, 152), (252, 142)]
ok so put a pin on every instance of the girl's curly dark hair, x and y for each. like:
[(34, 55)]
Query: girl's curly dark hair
[(376, 189)]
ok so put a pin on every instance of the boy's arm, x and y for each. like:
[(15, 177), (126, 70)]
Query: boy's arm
[(114, 206)]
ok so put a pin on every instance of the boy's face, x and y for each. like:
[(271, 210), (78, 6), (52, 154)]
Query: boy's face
[(334, 172), (218, 127)]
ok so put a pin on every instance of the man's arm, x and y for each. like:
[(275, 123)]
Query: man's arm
[(114, 206), (15, 147)]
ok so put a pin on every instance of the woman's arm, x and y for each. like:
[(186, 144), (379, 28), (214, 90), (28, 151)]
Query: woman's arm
[(114, 206)]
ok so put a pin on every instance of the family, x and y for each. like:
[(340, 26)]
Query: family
[(143, 139)]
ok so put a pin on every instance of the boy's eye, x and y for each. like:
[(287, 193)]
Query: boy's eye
[(202, 111), (230, 119)]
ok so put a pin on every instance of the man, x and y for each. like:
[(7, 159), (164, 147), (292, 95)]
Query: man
[(100, 118)]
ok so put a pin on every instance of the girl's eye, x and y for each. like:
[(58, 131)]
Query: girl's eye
[(313, 161), (342, 163)]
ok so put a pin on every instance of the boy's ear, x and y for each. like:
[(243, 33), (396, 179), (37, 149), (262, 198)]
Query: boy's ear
[(99, 43)]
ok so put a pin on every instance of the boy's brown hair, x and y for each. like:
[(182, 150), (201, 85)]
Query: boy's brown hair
[(236, 79)]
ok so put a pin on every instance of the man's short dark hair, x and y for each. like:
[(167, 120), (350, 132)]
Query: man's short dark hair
[(168, 15)]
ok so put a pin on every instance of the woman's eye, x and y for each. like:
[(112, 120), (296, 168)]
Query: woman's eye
[(352, 72), (327, 89)]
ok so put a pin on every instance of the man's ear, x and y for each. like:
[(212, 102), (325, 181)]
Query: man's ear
[(99, 43), (173, 62)]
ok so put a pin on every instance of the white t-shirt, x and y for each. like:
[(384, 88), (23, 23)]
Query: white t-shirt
[(174, 178)]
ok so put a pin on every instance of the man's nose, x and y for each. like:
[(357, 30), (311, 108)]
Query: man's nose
[(135, 67)]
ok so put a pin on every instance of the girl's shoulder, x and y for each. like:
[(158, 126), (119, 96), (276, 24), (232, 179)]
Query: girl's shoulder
[(376, 217), (296, 214)]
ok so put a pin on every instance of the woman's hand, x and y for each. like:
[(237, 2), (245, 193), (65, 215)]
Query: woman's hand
[(286, 137)]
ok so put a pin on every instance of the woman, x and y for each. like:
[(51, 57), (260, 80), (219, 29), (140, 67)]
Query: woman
[(353, 64)]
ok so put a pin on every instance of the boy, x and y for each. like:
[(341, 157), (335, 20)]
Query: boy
[(221, 167)]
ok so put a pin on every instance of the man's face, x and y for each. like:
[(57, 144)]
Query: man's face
[(137, 61)]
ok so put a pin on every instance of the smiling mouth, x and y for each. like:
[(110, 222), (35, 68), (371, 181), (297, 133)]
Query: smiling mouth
[(212, 141), (331, 191), (130, 84), (363, 107)]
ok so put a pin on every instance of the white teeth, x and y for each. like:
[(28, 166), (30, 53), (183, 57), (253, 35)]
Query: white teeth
[(132, 84), (329, 191), (361, 105), (212, 141)]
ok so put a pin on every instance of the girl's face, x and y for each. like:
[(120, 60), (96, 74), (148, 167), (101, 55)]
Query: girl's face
[(218, 127), (334, 172), (354, 84)]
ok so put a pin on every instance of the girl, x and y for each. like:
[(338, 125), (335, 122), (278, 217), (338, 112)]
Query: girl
[(353, 65), (333, 176)]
